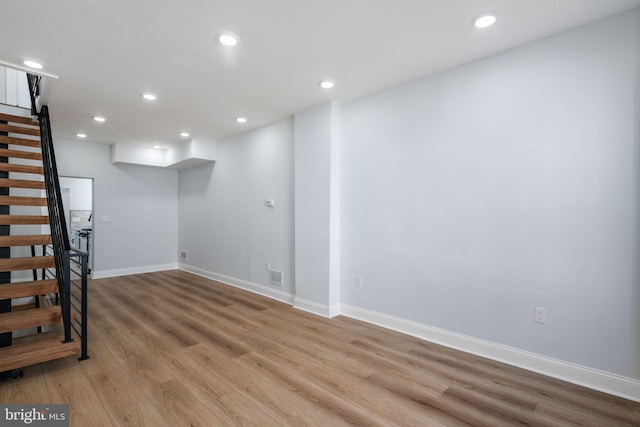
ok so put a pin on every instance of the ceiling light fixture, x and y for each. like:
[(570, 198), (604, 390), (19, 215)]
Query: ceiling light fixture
[(99, 119), (81, 135), (149, 96), (33, 64), (485, 20), (228, 39), (157, 146), (327, 84), (241, 119), (184, 134)]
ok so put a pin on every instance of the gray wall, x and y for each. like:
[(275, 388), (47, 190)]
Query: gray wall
[(141, 201), (224, 224), (473, 196)]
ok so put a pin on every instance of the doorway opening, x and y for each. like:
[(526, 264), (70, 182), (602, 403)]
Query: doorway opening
[(77, 199)]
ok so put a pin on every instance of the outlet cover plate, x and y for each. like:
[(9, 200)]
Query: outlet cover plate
[(540, 315), (358, 281)]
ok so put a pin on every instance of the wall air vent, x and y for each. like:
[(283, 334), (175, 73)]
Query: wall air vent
[(275, 277)]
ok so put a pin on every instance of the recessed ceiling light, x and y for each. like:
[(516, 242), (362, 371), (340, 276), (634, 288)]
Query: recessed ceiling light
[(228, 39), (327, 84), (149, 96), (485, 20), (99, 119), (81, 135), (241, 119), (157, 146), (33, 64), (184, 134)]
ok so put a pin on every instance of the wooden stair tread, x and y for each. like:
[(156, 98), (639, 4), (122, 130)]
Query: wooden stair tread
[(19, 129), (28, 289), (12, 167), (20, 141), (22, 183), (18, 119), (26, 263), (19, 154), (38, 351), (24, 220), (28, 240), (31, 318), (22, 201)]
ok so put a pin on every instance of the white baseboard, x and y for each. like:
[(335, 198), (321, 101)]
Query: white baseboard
[(103, 274), (256, 288), (313, 307), (613, 384), (617, 385)]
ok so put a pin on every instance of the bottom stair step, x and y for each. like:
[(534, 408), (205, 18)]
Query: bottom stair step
[(38, 351)]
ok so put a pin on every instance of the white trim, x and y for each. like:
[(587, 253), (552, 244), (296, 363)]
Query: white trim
[(316, 308), (617, 385), (15, 111), (103, 274), (256, 288), (28, 70), (334, 310)]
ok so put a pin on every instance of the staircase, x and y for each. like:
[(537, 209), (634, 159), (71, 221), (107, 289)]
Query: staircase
[(22, 172)]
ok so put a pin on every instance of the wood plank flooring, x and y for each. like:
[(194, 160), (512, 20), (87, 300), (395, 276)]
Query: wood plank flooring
[(174, 349)]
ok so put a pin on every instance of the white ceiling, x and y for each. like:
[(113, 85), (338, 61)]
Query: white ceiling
[(108, 52)]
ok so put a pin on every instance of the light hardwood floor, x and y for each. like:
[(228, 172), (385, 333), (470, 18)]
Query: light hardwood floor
[(174, 349)]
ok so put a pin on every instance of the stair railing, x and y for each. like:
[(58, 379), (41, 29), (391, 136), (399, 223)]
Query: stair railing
[(65, 257), (34, 91)]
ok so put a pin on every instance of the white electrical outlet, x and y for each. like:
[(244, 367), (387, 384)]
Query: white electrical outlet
[(184, 255), (540, 315), (358, 281), (105, 252)]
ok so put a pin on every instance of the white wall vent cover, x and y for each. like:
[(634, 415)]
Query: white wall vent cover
[(275, 277)]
